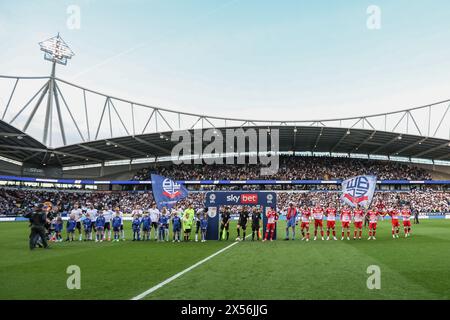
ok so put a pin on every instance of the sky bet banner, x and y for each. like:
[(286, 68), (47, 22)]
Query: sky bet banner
[(167, 192), (358, 190), (216, 199)]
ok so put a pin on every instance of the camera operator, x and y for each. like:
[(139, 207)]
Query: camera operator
[(38, 219)]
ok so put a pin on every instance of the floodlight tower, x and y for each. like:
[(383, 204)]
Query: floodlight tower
[(58, 52)]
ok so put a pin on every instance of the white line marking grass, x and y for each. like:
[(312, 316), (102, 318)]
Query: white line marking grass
[(179, 274)]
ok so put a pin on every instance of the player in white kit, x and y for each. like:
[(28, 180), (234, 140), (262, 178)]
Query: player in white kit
[(92, 212), (154, 216), (107, 214), (77, 213)]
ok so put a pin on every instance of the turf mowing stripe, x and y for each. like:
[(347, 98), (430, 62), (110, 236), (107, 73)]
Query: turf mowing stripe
[(179, 274)]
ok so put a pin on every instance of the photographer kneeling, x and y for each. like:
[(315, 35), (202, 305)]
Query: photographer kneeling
[(38, 219)]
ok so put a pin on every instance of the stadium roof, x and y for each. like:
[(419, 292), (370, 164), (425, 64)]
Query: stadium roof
[(19, 146), (80, 126)]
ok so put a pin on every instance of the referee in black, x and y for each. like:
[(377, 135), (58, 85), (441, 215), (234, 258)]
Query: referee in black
[(242, 223), (225, 223), (256, 218)]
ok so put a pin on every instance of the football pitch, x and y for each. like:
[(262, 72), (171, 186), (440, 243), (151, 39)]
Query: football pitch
[(413, 268)]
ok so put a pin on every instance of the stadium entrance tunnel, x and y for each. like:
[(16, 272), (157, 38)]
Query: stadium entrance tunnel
[(215, 201)]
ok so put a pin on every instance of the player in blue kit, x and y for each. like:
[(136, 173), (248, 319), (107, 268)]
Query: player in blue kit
[(58, 229), (176, 226), (116, 223), (136, 226), (163, 222), (146, 224), (204, 225), (70, 227), (87, 224), (100, 225), (291, 217), (166, 213)]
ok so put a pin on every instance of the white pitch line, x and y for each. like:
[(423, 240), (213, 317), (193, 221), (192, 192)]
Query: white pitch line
[(179, 274)]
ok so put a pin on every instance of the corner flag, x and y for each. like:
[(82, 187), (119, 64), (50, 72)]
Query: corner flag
[(358, 190), (166, 191)]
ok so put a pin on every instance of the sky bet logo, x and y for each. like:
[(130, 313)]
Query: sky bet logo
[(246, 198)]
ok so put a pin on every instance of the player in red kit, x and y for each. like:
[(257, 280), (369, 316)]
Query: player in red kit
[(381, 208), (272, 217), (406, 215), (394, 213), (331, 221), (373, 219), (358, 218), (318, 220), (305, 215), (346, 217)]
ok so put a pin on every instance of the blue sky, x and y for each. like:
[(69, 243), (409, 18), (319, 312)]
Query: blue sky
[(243, 58)]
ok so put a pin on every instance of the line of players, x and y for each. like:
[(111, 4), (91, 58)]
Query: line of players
[(107, 224), (99, 223), (347, 216)]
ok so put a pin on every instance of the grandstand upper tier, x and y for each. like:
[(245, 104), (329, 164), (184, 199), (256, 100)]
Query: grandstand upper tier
[(77, 126)]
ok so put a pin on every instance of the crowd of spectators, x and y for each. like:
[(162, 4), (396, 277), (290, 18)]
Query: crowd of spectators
[(18, 201), (292, 168)]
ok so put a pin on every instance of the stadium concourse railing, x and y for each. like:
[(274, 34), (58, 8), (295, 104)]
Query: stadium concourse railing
[(216, 182)]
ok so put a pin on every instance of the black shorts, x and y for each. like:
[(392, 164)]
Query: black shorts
[(121, 227), (243, 224), (107, 226), (187, 230), (255, 227), (93, 227), (116, 229), (197, 226), (78, 225), (154, 225), (225, 225)]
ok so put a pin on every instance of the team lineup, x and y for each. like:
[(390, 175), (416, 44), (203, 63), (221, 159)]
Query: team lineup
[(107, 224)]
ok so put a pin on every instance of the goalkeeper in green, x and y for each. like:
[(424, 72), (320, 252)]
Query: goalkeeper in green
[(188, 220)]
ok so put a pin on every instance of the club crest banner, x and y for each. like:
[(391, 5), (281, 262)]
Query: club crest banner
[(358, 191), (166, 191)]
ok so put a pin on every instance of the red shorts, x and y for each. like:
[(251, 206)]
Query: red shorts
[(407, 223), (331, 224), (318, 223), (358, 224), (270, 226), (373, 225), (345, 224), (304, 225), (395, 223)]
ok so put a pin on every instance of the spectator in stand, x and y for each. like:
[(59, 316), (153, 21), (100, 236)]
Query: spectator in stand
[(293, 168)]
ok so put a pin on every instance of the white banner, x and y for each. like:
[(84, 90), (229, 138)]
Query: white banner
[(358, 191)]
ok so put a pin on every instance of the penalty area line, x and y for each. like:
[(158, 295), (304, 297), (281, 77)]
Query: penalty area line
[(179, 274)]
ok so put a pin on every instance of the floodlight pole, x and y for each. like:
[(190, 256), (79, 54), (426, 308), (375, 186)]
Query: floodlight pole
[(56, 51), (51, 94)]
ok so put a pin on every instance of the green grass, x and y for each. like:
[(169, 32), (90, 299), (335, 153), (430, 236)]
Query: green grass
[(413, 268)]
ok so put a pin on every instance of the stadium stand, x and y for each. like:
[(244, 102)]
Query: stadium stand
[(17, 201), (294, 168)]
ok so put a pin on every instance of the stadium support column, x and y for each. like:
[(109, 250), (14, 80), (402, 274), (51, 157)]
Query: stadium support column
[(102, 169), (51, 89)]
